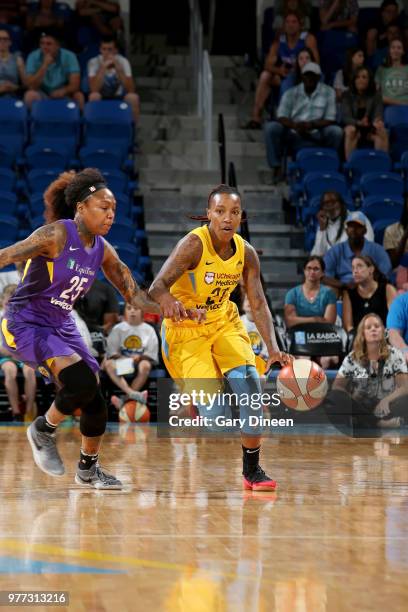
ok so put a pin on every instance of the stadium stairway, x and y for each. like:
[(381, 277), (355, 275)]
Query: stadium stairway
[(171, 162)]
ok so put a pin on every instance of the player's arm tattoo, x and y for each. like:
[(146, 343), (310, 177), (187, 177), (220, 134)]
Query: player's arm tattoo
[(256, 296), (46, 241), (185, 256), (121, 277)]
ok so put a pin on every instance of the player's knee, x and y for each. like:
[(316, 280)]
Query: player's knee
[(79, 387), (94, 416)]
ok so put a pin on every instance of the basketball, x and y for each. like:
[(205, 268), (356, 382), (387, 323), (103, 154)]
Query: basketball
[(133, 411), (302, 385)]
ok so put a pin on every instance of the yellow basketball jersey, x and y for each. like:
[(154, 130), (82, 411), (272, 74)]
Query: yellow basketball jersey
[(210, 284)]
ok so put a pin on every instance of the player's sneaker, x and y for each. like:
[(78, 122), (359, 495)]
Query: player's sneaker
[(45, 452), (97, 478), (259, 481)]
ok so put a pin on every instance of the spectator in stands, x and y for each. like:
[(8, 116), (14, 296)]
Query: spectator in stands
[(280, 63), (12, 73), (110, 77), (305, 56), (331, 219), (52, 72), (100, 311), (392, 32), (354, 59), (392, 78), (306, 117), (362, 114), (395, 240), (42, 15), (338, 259), (11, 277), (372, 293), (311, 302), (12, 11), (338, 15), (103, 15), (374, 376), (300, 7), (397, 323), (136, 340), (377, 36), (10, 369)]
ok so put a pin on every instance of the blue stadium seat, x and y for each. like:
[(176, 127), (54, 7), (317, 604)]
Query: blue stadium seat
[(8, 227), (39, 179), (381, 183), (13, 124), (128, 253), (121, 232), (315, 159), (55, 121), (7, 157), (123, 208), (117, 181), (8, 202), (37, 222), (109, 124), (377, 207), (36, 204), (379, 227), (396, 120), (7, 179), (316, 183), (361, 159), (102, 158), (39, 156)]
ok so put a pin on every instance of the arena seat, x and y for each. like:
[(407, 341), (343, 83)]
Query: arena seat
[(13, 124), (360, 160), (316, 183), (314, 159), (38, 179), (122, 232), (55, 121), (378, 207), (102, 158), (8, 227), (387, 184), (379, 227), (396, 120), (39, 156), (8, 202), (109, 124), (117, 181)]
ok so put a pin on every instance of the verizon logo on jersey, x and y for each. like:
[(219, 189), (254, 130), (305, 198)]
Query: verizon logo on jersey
[(61, 304)]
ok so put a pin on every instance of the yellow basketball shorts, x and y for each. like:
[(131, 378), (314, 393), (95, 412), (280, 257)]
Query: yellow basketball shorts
[(208, 350)]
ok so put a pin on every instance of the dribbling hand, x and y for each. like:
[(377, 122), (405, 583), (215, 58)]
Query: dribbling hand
[(278, 356)]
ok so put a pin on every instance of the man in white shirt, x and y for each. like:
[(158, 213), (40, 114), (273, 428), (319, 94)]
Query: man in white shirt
[(110, 77), (134, 341)]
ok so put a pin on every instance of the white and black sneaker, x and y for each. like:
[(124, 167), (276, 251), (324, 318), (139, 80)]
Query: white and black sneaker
[(97, 478), (45, 452)]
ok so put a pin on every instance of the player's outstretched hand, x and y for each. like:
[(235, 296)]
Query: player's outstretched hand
[(197, 314), (278, 356)]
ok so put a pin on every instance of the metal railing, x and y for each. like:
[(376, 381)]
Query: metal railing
[(202, 79)]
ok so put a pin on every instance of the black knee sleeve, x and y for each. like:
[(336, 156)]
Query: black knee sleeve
[(94, 416), (80, 386)]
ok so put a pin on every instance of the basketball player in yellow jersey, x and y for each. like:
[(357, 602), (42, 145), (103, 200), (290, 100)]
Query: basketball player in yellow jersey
[(201, 272)]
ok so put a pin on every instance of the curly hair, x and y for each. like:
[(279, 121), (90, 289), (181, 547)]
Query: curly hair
[(63, 194), (359, 352)]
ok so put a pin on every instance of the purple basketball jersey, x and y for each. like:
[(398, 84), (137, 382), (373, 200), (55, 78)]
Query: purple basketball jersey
[(49, 288)]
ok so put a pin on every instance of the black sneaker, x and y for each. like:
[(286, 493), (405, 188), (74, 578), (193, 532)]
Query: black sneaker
[(258, 481), (45, 452)]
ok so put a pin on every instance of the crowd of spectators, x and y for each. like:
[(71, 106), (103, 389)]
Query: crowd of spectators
[(76, 55)]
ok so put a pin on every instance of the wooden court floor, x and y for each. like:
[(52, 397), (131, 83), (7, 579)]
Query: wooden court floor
[(185, 537)]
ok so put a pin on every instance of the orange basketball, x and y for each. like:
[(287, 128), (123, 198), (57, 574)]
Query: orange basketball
[(133, 411), (302, 385)]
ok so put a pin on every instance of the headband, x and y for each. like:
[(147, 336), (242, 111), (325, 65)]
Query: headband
[(88, 191)]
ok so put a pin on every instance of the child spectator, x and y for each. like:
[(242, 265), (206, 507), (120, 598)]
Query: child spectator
[(10, 369), (354, 59), (136, 340)]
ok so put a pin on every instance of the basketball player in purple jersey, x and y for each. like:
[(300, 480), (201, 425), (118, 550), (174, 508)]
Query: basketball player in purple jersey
[(62, 260)]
